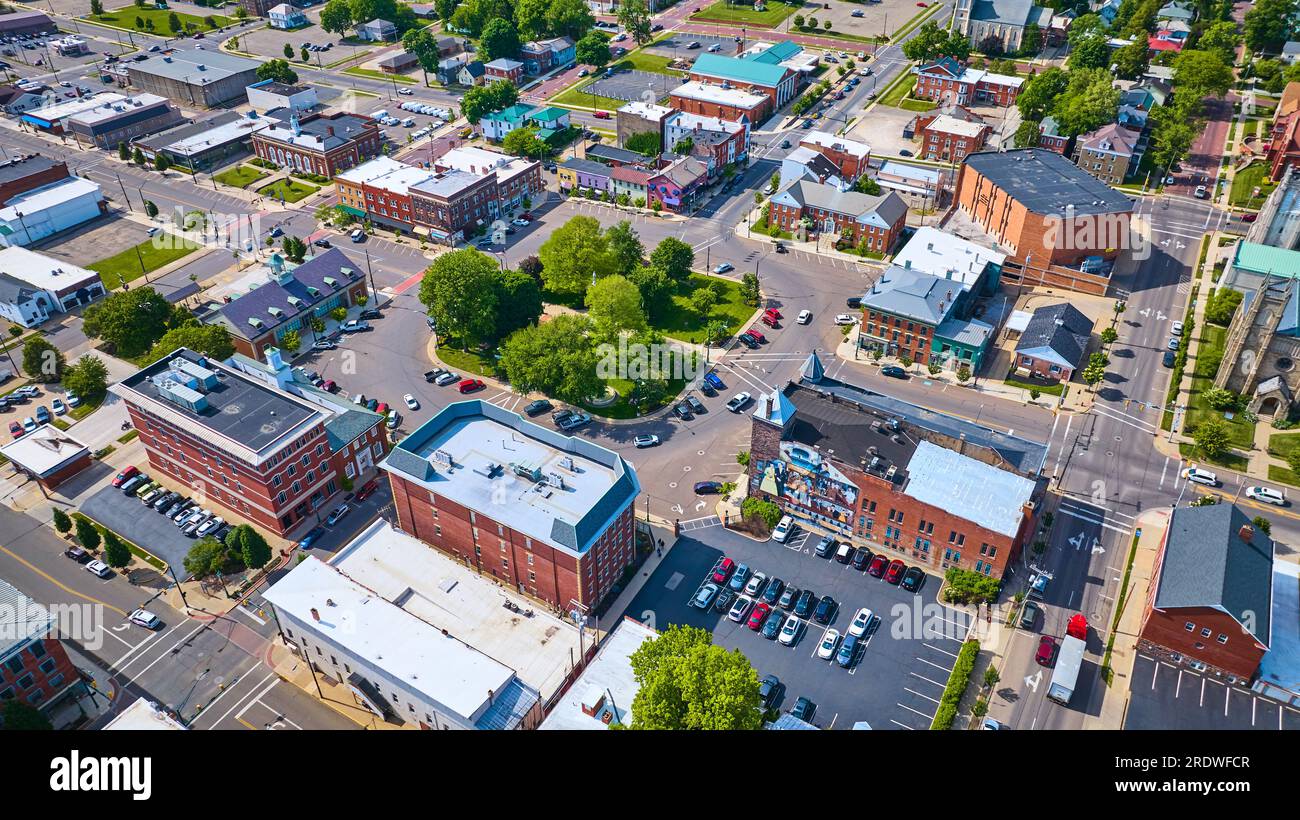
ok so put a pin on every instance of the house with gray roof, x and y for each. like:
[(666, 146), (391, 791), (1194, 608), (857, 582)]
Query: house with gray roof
[(1053, 344), (863, 221), (1210, 604)]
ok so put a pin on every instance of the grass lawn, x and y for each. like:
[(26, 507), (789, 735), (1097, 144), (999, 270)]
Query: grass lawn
[(126, 17), (681, 322), (1209, 352), (623, 409), (379, 75), (577, 97), (1284, 445), (645, 61), (1045, 389), (910, 104), (241, 176), (901, 88), (291, 189), (1244, 183), (125, 266), (471, 361), (839, 35), (1283, 476), (1230, 460), (773, 15), (82, 410)]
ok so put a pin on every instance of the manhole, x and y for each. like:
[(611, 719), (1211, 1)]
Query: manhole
[(1109, 454), (686, 469), (699, 452), (672, 485)]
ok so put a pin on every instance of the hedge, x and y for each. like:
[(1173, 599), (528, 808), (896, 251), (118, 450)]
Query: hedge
[(957, 682)]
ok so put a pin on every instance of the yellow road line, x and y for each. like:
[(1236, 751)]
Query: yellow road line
[(58, 583), (246, 723)]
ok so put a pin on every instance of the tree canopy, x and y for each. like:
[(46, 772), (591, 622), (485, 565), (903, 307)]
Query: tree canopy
[(277, 70), (686, 682), (485, 99), (674, 257), (557, 358), (572, 256), (459, 290)]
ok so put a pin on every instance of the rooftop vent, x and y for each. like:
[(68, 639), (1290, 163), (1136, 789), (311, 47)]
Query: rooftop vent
[(332, 282), (443, 457), (256, 322), (525, 470), (555, 480), (566, 463), (276, 312)]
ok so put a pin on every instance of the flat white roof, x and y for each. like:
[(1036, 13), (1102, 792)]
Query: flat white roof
[(981, 493), (708, 92), (689, 121), (386, 173), (44, 449), (646, 110), (112, 110), (827, 140), (51, 196), (947, 255), (609, 678), (39, 270), (1019, 320), (480, 162), (955, 125), (58, 111), (143, 715), (233, 130)]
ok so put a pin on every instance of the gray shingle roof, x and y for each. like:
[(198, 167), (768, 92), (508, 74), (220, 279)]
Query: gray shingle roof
[(310, 274), (1056, 332), (882, 210), (1046, 182), (1207, 564), (913, 295)]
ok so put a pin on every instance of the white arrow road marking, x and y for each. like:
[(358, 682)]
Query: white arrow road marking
[(1077, 541), (699, 505), (1033, 680), (1097, 548)]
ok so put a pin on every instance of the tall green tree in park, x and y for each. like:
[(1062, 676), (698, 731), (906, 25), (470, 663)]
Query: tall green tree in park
[(614, 305), (459, 291), (573, 256), (625, 246), (674, 257), (557, 358)]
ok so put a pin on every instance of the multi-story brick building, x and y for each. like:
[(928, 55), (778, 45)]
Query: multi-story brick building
[(925, 317), (777, 83), (1106, 153), (1209, 602), (453, 204), (719, 100), (251, 438), (549, 515), (323, 144), (935, 490), (852, 158), (34, 666), (722, 141), (516, 178), (512, 71), (948, 81), (1050, 136), (1059, 225), (379, 190), (945, 138), (856, 218)]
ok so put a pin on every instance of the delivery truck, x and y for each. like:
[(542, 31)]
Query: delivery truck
[(1069, 659)]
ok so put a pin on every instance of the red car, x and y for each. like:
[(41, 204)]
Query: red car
[(758, 615), (600, 115), (364, 492), (470, 385), (895, 573), (768, 319), (756, 336), (125, 475), (1046, 650), (16, 430), (724, 570), (878, 566), (774, 313)]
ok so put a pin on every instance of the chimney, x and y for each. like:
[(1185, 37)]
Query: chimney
[(315, 614), (329, 130), (1246, 533)]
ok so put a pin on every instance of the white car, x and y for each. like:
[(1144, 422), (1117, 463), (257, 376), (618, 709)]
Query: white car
[(860, 622), (411, 403), (738, 402), (446, 379), (99, 568), (1266, 494), (826, 649), (790, 630), (645, 440), (520, 223), (756, 583), (805, 316), (1200, 476), (405, 92), (845, 319), (210, 526), (783, 528), (393, 420), (145, 618), (1176, 328)]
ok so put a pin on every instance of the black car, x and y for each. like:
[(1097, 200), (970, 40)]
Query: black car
[(748, 342), (537, 407), (322, 243), (707, 389), (825, 612), (861, 558), (804, 710), (772, 626), (559, 416), (429, 376), (723, 601), (683, 412), (773, 591), (370, 313), (893, 371), (854, 302), (913, 579), (708, 487), (1168, 359), (780, 247), (803, 607), (696, 406), (77, 554), (769, 689)]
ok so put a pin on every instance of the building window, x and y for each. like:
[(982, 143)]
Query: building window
[(1222, 638), (1189, 626)]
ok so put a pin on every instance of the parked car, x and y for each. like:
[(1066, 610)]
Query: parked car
[(803, 606), (324, 344), (127, 472), (370, 313), (354, 326), (209, 526), (645, 440), (411, 403), (895, 572), (878, 566), (783, 529), (755, 584), (747, 341), (1168, 359), (738, 578), (337, 515), (772, 623), (861, 622), (825, 546), (59, 407), (893, 371), (738, 402), (861, 557), (99, 568), (739, 610), (848, 653), (600, 115), (573, 421), (826, 608), (913, 579), (704, 596), (805, 316), (723, 602), (769, 689), (470, 385), (845, 319), (77, 554), (723, 571), (322, 243), (790, 630), (1029, 614), (696, 406), (43, 415), (1172, 344), (537, 407), (1201, 192), (724, 268), (758, 615), (755, 334), (826, 649), (446, 379), (804, 710), (772, 592)]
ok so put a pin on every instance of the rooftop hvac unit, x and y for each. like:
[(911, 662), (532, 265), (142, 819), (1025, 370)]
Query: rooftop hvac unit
[(276, 312), (555, 480), (528, 471), (332, 282), (294, 301), (348, 272), (256, 322), (313, 292), (566, 463), (442, 457)]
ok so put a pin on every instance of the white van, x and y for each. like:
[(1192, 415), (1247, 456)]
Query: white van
[(380, 114), (783, 529), (409, 122), (845, 553), (1266, 494), (1201, 476)]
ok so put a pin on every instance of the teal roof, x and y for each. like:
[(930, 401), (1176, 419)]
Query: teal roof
[(549, 114), (781, 51), (515, 113), (1251, 256), (734, 68)]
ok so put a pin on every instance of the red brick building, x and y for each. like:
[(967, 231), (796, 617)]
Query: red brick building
[(28, 172), (883, 474), (855, 217), (722, 101), (249, 438), (550, 515), (948, 81), (1209, 603), (47, 455), (778, 83), (453, 204), (1051, 138), (512, 71), (323, 144), (850, 157), (379, 190), (945, 138), (34, 666)]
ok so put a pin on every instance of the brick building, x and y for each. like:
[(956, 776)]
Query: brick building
[(27, 172), (724, 142), (640, 118), (260, 444), (935, 490), (718, 100), (1053, 343), (1209, 602), (47, 455), (777, 83), (200, 78), (945, 138), (1108, 153), (856, 218), (34, 666), (1059, 225), (516, 178), (322, 144), (550, 515), (926, 317), (1050, 136), (512, 71), (379, 190), (948, 81), (453, 204), (107, 125), (850, 157)]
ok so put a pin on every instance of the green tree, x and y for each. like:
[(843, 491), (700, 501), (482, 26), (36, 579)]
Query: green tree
[(625, 247), (646, 143), (42, 361), (1089, 52), (557, 358), (930, 42), (499, 40), (1221, 38), (249, 545), (798, 21), (1040, 92), (288, 51), (1027, 133), (1109, 335), (614, 305), (519, 302), (87, 534), (1212, 436), (1131, 60), (1089, 101), (88, 378), (634, 16), (206, 557), (488, 98), (278, 70), (703, 301), (212, 341), (1031, 42), (137, 157), (304, 54), (96, 7), (160, 162), (290, 341), (123, 152), (20, 716), (336, 17), (686, 682), (424, 46), (575, 253), (116, 553), (1268, 23), (593, 49), (524, 142), (530, 19), (1201, 74), (570, 18), (674, 257), (749, 291), (131, 321), (173, 23), (1172, 135), (150, 209), (459, 291), (656, 289), (867, 185), (62, 523), (963, 374)]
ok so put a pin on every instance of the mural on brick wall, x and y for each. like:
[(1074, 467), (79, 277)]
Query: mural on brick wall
[(802, 477)]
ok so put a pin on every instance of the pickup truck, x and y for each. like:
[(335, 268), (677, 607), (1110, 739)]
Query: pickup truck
[(430, 375)]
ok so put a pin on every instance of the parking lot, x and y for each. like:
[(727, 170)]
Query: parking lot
[(269, 42), (99, 239), (1164, 696), (901, 671), (152, 531), (632, 85), (675, 45)]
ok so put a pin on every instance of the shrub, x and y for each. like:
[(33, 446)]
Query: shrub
[(754, 507), (116, 553), (87, 535), (966, 587), (958, 680)]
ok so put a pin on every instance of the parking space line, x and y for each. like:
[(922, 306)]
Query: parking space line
[(903, 725), (952, 655), (935, 665), (913, 711), (919, 695), (927, 680)]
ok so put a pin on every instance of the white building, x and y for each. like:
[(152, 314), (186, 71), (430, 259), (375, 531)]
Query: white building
[(286, 17), (947, 256), (144, 715), (422, 639), (33, 286), (269, 95), (38, 213), (603, 696)]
